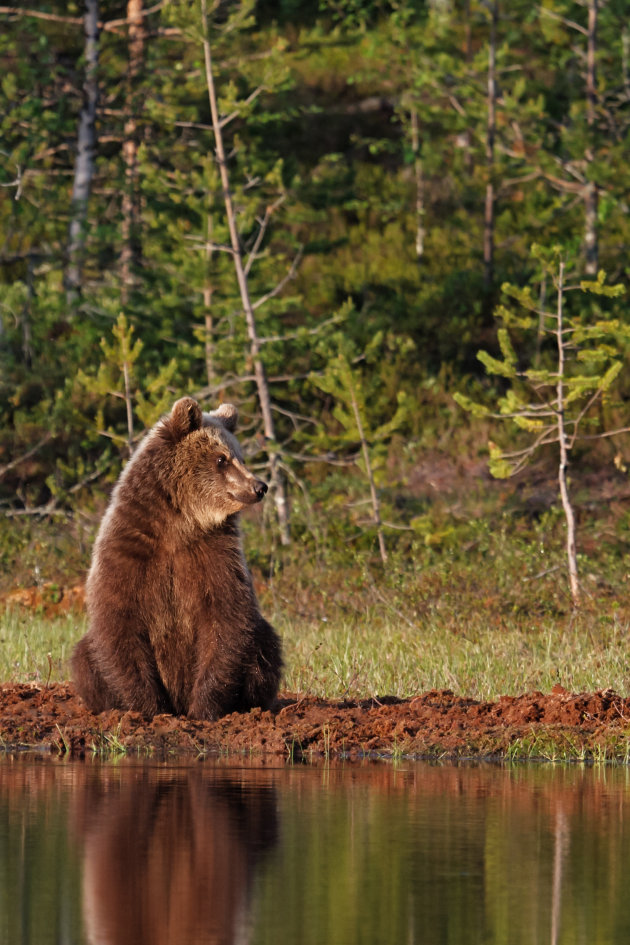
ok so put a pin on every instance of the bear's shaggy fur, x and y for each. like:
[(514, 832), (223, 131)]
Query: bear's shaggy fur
[(174, 623)]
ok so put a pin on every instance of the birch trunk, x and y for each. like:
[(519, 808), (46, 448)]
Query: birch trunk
[(564, 450), (488, 227), (591, 197), (130, 210), (276, 480), (419, 178), (84, 164)]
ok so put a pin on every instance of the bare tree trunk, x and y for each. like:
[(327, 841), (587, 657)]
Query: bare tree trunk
[(130, 210), (591, 199), (467, 136), (276, 480), (541, 319), (128, 406), (207, 308), (376, 507), (419, 175), (564, 450), (488, 228), (84, 164), (27, 335)]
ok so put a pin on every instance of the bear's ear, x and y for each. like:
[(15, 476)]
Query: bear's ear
[(228, 415), (185, 417)]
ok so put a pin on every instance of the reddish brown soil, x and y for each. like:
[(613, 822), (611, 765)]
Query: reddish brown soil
[(434, 724)]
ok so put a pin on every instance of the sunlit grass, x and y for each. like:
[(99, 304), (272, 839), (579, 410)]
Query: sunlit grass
[(373, 654), (485, 616), (34, 648), (377, 657)]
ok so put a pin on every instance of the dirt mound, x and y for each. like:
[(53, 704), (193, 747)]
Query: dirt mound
[(48, 599), (435, 724)]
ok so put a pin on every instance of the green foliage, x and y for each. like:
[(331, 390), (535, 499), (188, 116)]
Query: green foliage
[(581, 359), (338, 119), (357, 397), (120, 377)]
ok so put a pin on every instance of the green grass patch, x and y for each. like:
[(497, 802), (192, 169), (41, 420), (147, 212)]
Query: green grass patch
[(483, 609), (377, 653), (488, 616), (34, 648), (377, 656)]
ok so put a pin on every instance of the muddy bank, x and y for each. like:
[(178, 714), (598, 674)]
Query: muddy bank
[(436, 724)]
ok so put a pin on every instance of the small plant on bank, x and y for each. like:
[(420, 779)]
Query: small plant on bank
[(577, 359), (344, 382)]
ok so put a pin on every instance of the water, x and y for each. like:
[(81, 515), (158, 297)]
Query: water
[(349, 855)]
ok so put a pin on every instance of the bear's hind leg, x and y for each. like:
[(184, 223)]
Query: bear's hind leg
[(262, 678), (88, 680)]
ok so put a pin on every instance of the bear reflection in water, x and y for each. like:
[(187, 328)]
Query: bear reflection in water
[(169, 856)]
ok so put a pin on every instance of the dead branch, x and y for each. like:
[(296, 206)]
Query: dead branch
[(20, 459), (564, 20), (290, 336), (237, 111), (280, 286), (262, 227), (77, 20)]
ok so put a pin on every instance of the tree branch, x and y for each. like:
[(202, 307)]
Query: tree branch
[(20, 459), (263, 224), (280, 286), (77, 20), (564, 20)]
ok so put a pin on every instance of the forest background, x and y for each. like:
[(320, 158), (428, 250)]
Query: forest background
[(391, 166)]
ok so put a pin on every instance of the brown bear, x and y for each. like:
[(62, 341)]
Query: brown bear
[(173, 620)]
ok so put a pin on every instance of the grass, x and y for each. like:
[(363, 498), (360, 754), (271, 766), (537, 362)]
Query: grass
[(476, 601), (34, 648), (377, 657), (487, 613), (109, 744), (374, 655)]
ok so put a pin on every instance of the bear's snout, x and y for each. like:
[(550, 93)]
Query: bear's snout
[(247, 489)]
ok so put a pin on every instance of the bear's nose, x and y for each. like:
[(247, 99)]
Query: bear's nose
[(260, 488)]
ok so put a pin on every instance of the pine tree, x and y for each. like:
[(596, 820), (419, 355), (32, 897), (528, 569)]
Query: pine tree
[(553, 402), (353, 397)]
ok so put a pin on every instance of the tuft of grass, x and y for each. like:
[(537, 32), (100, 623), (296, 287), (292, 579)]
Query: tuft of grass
[(557, 746), (109, 744)]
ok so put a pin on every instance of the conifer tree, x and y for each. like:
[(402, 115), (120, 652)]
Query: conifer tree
[(353, 398), (119, 377), (553, 401)]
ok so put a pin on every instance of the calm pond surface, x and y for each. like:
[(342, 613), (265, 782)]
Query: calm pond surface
[(221, 853)]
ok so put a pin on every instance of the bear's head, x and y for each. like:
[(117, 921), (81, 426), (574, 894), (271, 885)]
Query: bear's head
[(206, 476)]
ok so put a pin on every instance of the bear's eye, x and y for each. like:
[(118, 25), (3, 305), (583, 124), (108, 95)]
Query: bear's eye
[(222, 461)]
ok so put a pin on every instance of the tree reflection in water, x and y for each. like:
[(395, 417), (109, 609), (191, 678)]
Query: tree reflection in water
[(337, 854)]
